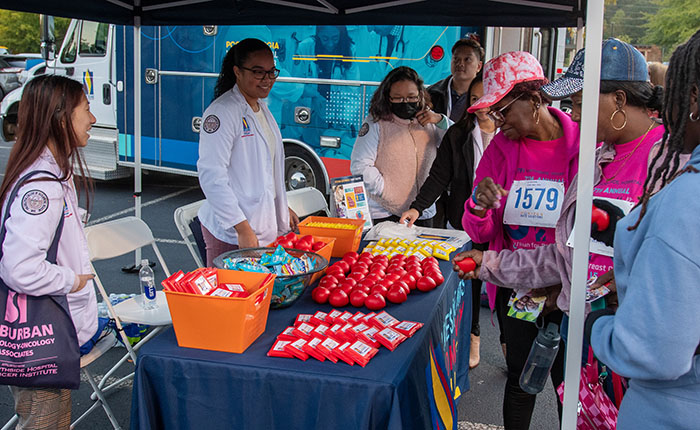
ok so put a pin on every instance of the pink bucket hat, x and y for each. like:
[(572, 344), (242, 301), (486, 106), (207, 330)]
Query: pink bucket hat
[(502, 73)]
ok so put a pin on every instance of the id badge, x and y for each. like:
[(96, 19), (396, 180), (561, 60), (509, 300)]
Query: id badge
[(535, 203)]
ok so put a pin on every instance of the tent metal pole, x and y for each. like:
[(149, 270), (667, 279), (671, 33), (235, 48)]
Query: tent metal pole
[(582, 225), (137, 124)]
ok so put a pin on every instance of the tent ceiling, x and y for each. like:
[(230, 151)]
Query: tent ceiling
[(509, 13)]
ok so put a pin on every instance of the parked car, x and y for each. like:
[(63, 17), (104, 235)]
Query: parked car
[(9, 77), (23, 61)]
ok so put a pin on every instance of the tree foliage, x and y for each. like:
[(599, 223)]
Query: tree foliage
[(19, 31), (673, 23)]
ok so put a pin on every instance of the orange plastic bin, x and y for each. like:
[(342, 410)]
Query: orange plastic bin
[(226, 324), (346, 240)]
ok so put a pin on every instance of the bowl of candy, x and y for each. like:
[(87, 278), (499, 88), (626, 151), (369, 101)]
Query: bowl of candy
[(294, 269)]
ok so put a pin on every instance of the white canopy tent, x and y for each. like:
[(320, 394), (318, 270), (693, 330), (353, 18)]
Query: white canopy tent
[(418, 12)]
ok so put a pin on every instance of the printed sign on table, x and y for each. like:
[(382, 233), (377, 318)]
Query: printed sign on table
[(349, 199)]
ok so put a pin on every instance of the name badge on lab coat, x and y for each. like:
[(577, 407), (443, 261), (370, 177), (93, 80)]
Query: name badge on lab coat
[(534, 203)]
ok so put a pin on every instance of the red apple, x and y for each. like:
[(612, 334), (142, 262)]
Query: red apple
[(396, 295), (320, 294), (374, 302), (357, 298), (338, 298), (425, 283)]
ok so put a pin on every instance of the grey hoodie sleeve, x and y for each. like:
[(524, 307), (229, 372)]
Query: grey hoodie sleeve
[(521, 269)]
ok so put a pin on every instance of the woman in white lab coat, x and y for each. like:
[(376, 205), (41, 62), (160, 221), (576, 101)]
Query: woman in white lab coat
[(55, 119), (241, 156)]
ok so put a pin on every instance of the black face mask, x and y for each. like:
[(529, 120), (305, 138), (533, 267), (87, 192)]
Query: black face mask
[(405, 110)]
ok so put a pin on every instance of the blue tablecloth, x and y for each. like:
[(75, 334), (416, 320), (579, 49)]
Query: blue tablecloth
[(414, 387)]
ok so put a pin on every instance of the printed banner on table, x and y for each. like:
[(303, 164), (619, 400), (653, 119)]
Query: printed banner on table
[(350, 199)]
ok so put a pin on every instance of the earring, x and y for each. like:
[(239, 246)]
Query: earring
[(536, 113), (694, 119), (613, 116)]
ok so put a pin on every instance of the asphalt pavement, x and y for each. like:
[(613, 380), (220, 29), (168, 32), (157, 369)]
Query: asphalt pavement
[(479, 408)]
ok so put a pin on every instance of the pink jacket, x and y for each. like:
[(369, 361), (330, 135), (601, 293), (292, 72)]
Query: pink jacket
[(549, 264), (500, 163)]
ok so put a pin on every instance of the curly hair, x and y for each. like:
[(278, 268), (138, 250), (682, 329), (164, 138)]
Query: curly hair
[(380, 106), (683, 73)]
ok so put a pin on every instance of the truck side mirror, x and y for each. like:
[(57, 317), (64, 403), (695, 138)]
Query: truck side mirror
[(48, 40)]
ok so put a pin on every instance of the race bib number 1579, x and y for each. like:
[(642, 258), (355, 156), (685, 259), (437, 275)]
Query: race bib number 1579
[(534, 203)]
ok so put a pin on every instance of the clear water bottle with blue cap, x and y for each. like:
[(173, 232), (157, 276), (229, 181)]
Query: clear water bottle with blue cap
[(148, 286), (539, 362)]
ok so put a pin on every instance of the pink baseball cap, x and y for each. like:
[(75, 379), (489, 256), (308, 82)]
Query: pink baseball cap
[(502, 73)]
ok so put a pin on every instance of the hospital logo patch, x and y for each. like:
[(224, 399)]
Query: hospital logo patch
[(246, 128), (211, 124), (35, 202), (364, 129)]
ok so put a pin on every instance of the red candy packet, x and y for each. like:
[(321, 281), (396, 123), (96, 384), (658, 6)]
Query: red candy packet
[(407, 328), (318, 318), (357, 318), (383, 320), (278, 349), (310, 348), (302, 318), (320, 331), (341, 354), (326, 348), (360, 352), (287, 334), (390, 338), (345, 317), (333, 316), (367, 336), (296, 348), (303, 331)]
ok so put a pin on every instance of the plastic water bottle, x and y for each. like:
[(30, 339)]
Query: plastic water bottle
[(539, 362), (148, 286)]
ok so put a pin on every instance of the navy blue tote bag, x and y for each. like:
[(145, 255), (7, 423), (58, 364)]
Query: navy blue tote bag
[(38, 344)]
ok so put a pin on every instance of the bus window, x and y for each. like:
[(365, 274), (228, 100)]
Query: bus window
[(93, 39), (68, 55)]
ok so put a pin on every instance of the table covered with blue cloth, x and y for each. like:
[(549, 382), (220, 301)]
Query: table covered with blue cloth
[(414, 387)]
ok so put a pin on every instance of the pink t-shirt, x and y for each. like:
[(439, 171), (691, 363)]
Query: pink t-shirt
[(623, 179), (538, 160)]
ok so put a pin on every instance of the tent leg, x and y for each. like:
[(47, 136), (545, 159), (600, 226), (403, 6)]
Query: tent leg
[(582, 230)]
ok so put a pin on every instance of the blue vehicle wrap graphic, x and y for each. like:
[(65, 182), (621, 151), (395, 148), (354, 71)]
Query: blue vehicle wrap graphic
[(347, 53)]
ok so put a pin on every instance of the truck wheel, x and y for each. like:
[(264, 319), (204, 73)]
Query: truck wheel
[(301, 170)]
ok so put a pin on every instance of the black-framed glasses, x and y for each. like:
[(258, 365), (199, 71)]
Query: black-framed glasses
[(499, 116), (409, 99), (260, 73)]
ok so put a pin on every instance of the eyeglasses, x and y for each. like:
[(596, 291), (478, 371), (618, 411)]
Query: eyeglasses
[(260, 73), (499, 116), (409, 99)]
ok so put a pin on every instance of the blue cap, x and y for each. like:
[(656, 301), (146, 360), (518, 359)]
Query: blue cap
[(620, 61)]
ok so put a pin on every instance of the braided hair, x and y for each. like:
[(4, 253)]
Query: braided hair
[(683, 73)]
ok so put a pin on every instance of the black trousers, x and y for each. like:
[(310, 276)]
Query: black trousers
[(519, 335)]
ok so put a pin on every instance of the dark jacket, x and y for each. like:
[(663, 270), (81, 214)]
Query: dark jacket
[(452, 169), (439, 93)]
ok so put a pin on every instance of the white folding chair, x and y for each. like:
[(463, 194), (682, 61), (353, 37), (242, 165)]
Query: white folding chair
[(105, 241), (183, 217), (306, 201)]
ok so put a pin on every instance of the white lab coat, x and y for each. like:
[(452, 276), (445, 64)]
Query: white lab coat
[(236, 172), (30, 231)]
